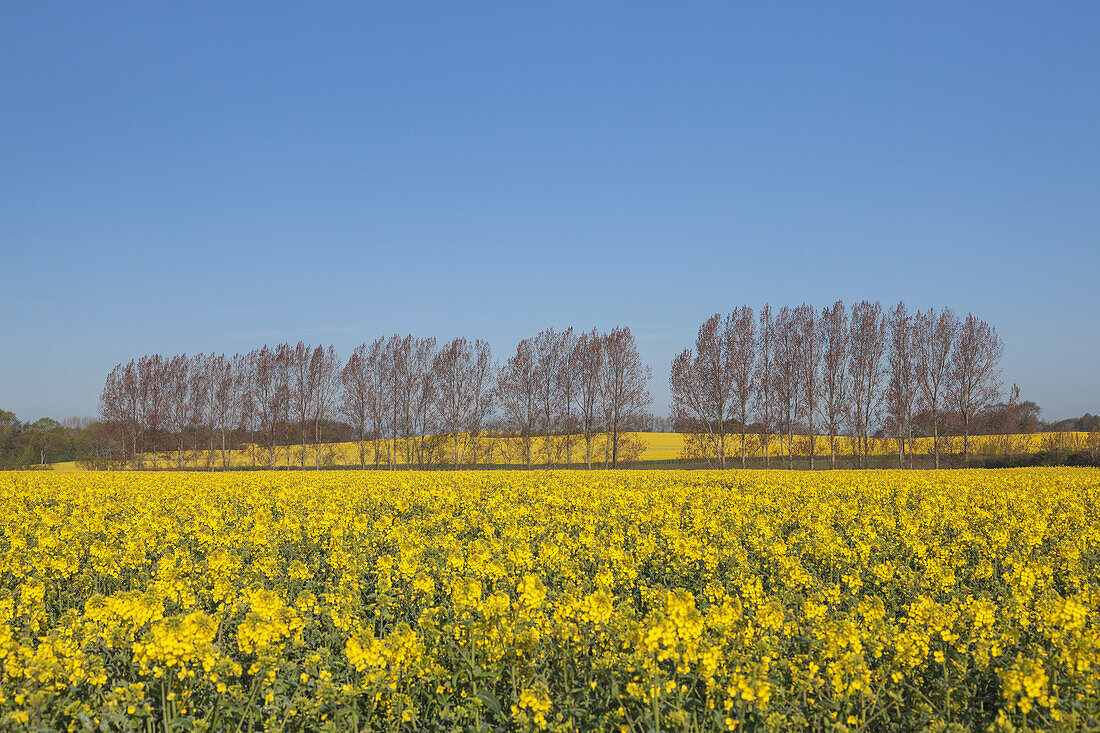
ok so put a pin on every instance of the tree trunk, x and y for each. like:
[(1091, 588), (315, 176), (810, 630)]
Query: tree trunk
[(790, 445), (910, 441), (935, 435), (813, 441), (966, 438), (742, 444), (548, 451)]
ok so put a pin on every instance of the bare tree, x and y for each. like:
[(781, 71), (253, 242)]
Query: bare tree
[(566, 386), (378, 361), (198, 404), (686, 406), (742, 350), (241, 407), (409, 391), (284, 374), (833, 334), (902, 387), (119, 404), (270, 392), (765, 379), (624, 386), (324, 370), (933, 340), (301, 394), (398, 353), (262, 399), (701, 384), (866, 344), (113, 403), (588, 356), (424, 432), (143, 411), (154, 373), (236, 396), (975, 374), (481, 390), (177, 383), (809, 346), (547, 347), (454, 374), (517, 390), (355, 397), (787, 373), (245, 368), (225, 385)]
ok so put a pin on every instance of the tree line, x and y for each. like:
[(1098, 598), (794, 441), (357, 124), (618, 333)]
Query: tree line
[(403, 399), (837, 379), (854, 372)]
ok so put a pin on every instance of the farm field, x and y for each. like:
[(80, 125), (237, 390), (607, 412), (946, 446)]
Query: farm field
[(633, 601), (644, 447)]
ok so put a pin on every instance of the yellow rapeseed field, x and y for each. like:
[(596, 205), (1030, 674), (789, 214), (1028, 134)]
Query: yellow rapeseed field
[(505, 451), (632, 601)]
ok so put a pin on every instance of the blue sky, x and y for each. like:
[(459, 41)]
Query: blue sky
[(192, 177)]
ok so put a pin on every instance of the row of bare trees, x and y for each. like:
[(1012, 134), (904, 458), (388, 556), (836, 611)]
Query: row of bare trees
[(852, 372), (401, 399), (197, 404), (566, 387), (405, 394)]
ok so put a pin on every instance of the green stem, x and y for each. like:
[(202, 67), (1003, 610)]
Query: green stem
[(251, 697), (164, 707)]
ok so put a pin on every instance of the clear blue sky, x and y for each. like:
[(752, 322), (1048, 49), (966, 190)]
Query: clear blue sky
[(184, 177)]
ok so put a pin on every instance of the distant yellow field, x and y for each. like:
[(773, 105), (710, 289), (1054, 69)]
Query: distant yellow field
[(648, 447)]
